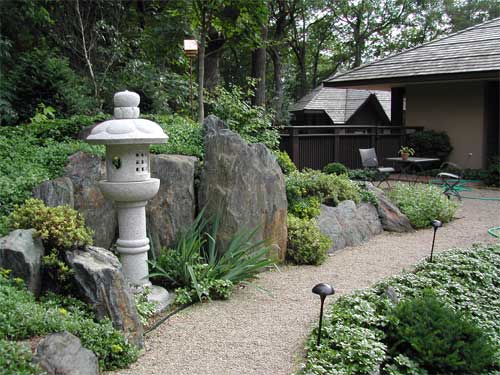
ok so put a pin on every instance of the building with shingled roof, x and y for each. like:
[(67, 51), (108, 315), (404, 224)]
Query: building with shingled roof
[(448, 84)]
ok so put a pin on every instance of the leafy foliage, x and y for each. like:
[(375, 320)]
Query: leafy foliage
[(22, 317), (329, 189), (355, 331), (306, 244), (423, 203), (438, 338), (16, 359), (286, 164), (59, 227), (254, 124), (335, 168), (362, 174), (145, 308), (200, 270), (430, 143), (43, 77)]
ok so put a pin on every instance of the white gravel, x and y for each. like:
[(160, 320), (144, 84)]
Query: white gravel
[(255, 333)]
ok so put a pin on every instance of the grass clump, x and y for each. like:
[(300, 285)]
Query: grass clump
[(201, 271), (423, 203)]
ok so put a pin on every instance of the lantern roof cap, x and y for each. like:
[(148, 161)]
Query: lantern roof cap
[(127, 127)]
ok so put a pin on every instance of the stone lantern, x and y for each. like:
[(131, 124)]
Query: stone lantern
[(129, 184)]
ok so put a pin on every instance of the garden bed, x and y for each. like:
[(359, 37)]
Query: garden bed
[(358, 337)]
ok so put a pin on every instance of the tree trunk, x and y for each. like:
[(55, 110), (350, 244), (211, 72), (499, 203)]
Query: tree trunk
[(278, 84), (213, 55), (259, 70), (201, 73)]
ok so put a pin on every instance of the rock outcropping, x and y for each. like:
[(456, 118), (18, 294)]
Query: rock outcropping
[(63, 354), (243, 185), (348, 224), (173, 208), (22, 254), (99, 276), (392, 219)]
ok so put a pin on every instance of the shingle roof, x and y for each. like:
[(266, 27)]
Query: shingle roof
[(476, 49), (340, 104)]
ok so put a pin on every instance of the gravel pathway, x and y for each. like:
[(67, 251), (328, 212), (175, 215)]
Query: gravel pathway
[(255, 333)]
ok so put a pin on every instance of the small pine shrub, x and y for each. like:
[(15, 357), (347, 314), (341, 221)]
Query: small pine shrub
[(440, 339), (306, 244), (286, 164), (423, 203), (335, 168)]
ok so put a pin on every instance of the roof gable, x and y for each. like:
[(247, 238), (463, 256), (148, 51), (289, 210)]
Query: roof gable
[(340, 104), (476, 49)]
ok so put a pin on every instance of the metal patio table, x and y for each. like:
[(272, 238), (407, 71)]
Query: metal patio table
[(406, 164)]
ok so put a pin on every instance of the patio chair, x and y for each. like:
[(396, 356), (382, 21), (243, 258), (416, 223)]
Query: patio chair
[(452, 183), (369, 161)]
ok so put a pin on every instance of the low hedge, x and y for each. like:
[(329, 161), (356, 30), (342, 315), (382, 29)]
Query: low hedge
[(355, 336)]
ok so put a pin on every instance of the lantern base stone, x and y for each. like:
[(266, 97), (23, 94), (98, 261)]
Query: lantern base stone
[(161, 297)]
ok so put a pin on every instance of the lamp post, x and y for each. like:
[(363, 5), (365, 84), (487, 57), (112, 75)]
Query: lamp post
[(322, 290), (129, 185), (191, 51), (435, 224)]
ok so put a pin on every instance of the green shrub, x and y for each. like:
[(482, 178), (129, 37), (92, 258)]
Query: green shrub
[(41, 76), (335, 168), (305, 208), (367, 195), (16, 359), (440, 339), (492, 175), (22, 317), (145, 308), (329, 189), (254, 124), (354, 339), (430, 143), (284, 161), (200, 271), (306, 244), (423, 203), (185, 137), (25, 163), (60, 229), (362, 174)]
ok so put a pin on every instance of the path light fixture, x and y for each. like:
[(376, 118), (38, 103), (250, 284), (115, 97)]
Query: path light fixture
[(322, 290), (435, 224), (129, 185), (191, 51)]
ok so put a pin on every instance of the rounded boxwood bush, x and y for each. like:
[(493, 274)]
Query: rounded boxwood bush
[(306, 244), (438, 338), (335, 168), (430, 143)]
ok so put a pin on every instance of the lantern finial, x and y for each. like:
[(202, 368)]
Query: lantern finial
[(126, 105)]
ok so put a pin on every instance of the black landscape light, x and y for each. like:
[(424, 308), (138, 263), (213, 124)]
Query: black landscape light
[(435, 224), (322, 290)]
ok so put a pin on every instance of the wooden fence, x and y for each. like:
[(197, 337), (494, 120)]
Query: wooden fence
[(316, 146)]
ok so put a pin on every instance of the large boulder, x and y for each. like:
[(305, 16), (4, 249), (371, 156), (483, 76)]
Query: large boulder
[(56, 192), (174, 207), (85, 171), (63, 354), (22, 253), (348, 224), (99, 276), (244, 185), (392, 219)]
